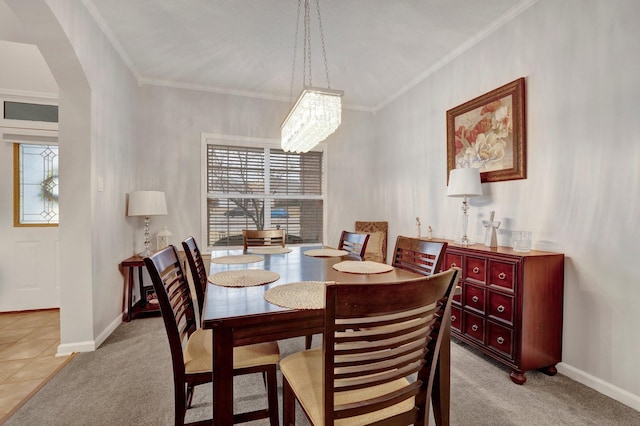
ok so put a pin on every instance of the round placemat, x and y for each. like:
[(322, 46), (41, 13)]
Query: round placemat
[(298, 295), (366, 267), (269, 250), (244, 278), (237, 259), (326, 253)]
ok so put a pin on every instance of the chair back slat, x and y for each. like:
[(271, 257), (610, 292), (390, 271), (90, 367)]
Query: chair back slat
[(198, 270), (353, 242), (418, 256), (263, 237), (374, 339)]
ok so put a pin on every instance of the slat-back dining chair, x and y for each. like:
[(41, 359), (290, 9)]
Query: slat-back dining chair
[(191, 347), (356, 244), (198, 271), (263, 237), (353, 242), (419, 256), (376, 337)]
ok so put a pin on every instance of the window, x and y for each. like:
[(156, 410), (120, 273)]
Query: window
[(251, 187), (35, 185), (30, 112)]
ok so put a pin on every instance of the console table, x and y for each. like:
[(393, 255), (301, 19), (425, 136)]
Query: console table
[(141, 308), (510, 306)]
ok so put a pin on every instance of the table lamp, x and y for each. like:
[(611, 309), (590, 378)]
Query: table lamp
[(147, 203), (464, 183)]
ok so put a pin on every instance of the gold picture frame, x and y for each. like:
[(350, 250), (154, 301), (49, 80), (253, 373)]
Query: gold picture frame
[(488, 133)]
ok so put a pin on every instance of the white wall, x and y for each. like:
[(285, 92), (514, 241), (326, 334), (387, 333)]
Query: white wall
[(97, 115), (170, 131), (581, 196), (107, 162), (24, 70)]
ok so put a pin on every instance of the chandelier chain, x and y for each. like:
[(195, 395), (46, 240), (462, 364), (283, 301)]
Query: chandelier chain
[(324, 50), (307, 43), (295, 49)]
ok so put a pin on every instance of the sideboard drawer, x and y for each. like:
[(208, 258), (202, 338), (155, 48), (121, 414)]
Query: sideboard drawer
[(500, 338), (456, 318), (452, 260), (500, 306), (475, 269), (474, 297), (474, 327), (502, 274)]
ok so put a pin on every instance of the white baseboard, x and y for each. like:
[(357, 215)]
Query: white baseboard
[(605, 388), (89, 345), (65, 349)]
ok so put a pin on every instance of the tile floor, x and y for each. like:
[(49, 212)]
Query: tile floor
[(28, 344)]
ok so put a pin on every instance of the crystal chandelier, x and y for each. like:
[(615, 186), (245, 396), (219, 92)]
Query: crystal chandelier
[(317, 112)]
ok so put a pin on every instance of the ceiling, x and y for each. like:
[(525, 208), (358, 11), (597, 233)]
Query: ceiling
[(376, 49)]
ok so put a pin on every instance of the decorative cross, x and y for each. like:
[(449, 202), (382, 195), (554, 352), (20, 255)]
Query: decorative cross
[(490, 238)]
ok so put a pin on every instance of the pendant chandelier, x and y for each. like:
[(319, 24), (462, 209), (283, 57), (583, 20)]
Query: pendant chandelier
[(317, 112)]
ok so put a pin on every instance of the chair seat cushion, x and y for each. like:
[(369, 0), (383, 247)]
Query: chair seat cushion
[(198, 353), (303, 371)]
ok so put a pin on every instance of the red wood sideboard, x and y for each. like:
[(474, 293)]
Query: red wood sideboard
[(510, 306)]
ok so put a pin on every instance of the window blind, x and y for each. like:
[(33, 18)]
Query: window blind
[(263, 188)]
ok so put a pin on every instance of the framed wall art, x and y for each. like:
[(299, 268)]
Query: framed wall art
[(488, 133)]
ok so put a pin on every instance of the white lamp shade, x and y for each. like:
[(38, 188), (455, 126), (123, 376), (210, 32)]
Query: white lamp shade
[(147, 203), (464, 182)]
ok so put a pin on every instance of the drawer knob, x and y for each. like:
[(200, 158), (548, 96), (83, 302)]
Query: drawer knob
[(474, 327), (500, 340), (453, 264), (476, 270), (453, 318), (475, 299), (500, 308), (502, 275)]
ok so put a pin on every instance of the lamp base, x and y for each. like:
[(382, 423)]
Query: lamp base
[(464, 241)]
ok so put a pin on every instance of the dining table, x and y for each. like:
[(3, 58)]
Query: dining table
[(241, 316)]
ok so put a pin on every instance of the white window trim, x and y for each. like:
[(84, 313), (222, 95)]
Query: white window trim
[(221, 139)]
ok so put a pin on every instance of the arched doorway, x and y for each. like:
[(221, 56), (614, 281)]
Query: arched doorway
[(74, 266)]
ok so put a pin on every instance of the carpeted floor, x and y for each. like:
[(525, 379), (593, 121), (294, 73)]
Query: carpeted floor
[(128, 381)]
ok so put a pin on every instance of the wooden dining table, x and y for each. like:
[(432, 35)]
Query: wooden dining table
[(241, 316)]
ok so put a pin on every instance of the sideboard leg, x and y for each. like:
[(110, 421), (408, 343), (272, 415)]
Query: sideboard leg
[(550, 370), (518, 377)]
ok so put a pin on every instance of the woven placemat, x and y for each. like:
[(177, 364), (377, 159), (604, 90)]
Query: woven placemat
[(298, 295), (326, 253), (244, 278), (366, 267), (269, 250), (237, 259)]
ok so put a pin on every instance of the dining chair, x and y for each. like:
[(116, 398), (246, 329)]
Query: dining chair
[(419, 256), (263, 237), (353, 242), (198, 271), (356, 244), (191, 347), (379, 355)]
